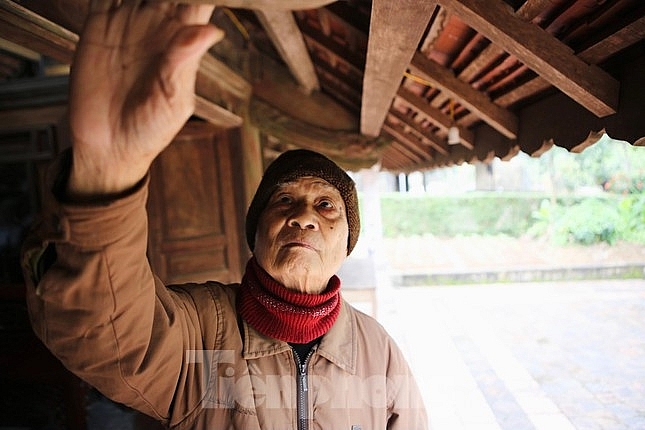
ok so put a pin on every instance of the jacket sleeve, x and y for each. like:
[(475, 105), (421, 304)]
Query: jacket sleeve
[(407, 410), (95, 303)]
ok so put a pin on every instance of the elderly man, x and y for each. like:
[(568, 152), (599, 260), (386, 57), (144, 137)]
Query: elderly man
[(281, 350)]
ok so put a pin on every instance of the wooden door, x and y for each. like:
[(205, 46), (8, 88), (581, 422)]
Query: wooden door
[(194, 220)]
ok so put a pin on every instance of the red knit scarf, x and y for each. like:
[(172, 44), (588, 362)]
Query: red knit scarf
[(284, 314)]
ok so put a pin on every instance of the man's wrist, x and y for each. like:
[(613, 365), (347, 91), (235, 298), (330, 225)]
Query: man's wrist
[(74, 185)]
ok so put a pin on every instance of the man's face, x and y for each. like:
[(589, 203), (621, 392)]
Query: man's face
[(301, 239)]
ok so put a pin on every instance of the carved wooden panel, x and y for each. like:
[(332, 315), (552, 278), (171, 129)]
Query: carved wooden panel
[(194, 230)]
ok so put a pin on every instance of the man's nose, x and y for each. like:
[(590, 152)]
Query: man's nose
[(304, 217)]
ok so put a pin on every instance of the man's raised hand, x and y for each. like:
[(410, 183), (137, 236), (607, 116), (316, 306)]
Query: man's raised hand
[(132, 88)]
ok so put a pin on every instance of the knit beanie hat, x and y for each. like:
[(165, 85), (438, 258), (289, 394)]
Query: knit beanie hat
[(299, 163)]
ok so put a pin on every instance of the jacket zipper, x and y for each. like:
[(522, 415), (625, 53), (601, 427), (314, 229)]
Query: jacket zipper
[(302, 390)]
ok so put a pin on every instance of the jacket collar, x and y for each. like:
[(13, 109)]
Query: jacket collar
[(338, 345)]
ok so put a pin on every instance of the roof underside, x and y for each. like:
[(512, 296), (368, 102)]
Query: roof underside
[(383, 82)]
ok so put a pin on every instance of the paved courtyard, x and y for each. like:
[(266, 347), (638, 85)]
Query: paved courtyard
[(544, 356)]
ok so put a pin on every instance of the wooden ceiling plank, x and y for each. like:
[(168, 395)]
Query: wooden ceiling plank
[(497, 117), (395, 31), (25, 28), (437, 117), (422, 133), (283, 31), (588, 85)]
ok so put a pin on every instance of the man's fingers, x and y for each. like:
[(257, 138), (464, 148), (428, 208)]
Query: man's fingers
[(195, 14), (190, 43), (178, 69), (102, 6)]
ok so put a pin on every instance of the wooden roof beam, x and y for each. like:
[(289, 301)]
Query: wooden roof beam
[(395, 31), (215, 114), (281, 27), (529, 10), (616, 42), (588, 85), (26, 28), (350, 149), (497, 117), (619, 40), (213, 75)]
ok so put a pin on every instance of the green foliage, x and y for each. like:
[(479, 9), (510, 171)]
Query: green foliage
[(476, 213), (571, 219), (588, 222), (631, 226), (565, 215), (614, 165), (591, 220)]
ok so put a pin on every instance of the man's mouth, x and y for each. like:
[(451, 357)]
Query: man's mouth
[(299, 244)]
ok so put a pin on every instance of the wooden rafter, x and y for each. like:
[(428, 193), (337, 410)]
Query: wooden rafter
[(497, 117), (440, 119), (215, 114), (598, 52), (48, 38), (281, 27), (590, 86), (318, 109), (352, 150), (31, 117), (341, 53), (621, 39), (529, 10), (404, 156), (23, 27), (221, 94), (262, 4), (414, 146), (425, 135), (395, 31)]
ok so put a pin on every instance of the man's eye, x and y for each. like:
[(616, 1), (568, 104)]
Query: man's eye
[(327, 204), (284, 199)]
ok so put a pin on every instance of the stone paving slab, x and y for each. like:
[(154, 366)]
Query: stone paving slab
[(543, 356)]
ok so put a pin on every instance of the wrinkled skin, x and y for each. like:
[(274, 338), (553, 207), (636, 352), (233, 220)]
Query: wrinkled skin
[(301, 240), (132, 88)]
